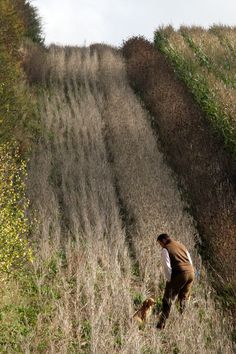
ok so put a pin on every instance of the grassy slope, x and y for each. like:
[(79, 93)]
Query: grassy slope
[(93, 265), (197, 154)]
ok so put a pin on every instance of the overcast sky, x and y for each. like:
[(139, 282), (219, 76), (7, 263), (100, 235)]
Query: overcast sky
[(112, 21)]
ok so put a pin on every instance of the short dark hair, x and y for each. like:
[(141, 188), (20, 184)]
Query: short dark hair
[(163, 237)]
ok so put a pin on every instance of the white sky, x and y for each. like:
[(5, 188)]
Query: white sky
[(112, 21)]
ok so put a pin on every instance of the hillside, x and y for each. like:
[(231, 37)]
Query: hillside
[(89, 176), (101, 191), (205, 168)]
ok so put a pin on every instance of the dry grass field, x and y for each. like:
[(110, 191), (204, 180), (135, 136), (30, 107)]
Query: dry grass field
[(85, 189), (101, 192)]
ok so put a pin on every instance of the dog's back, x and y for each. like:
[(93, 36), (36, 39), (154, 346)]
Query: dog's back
[(144, 312)]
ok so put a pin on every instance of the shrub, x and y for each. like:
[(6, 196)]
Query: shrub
[(11, 29), (137, 64), (14, 225), (30, 19)]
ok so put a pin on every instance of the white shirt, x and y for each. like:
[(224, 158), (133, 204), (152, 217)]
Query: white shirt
[(167, 265)]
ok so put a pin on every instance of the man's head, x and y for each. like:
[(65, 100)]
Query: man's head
[(163, 239)]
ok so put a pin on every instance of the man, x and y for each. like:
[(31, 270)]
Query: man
[(179, 275)]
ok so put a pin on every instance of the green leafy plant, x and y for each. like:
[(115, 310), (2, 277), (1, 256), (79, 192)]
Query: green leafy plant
[(138, 299)]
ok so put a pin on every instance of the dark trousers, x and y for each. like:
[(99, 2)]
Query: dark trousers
[(180, 285)]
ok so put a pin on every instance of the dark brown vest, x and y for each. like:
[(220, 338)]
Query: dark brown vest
[(178, 258)]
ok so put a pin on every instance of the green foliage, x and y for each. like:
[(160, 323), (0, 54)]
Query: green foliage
[(138, 299), (31, 20), (19, 309), (25, 298), (158, 305), (16, 109), (86, 335), (14, 225), (17, 116), (11, 29), (197, 82)]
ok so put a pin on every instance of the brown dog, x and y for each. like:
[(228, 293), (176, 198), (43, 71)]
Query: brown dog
[(142, 314)]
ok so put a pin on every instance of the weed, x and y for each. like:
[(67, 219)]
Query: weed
[(138, 299), (86, 333)]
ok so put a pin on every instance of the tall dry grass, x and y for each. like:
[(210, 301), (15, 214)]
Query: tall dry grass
[(72, 186), (99, 154)]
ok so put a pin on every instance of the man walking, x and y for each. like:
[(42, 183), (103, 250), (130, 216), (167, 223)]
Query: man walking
[(179, 275)]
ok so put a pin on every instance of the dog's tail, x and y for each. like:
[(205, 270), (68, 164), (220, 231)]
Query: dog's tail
[(137, 318)]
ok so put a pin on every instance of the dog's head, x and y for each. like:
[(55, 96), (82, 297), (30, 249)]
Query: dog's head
[(149, 302)]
